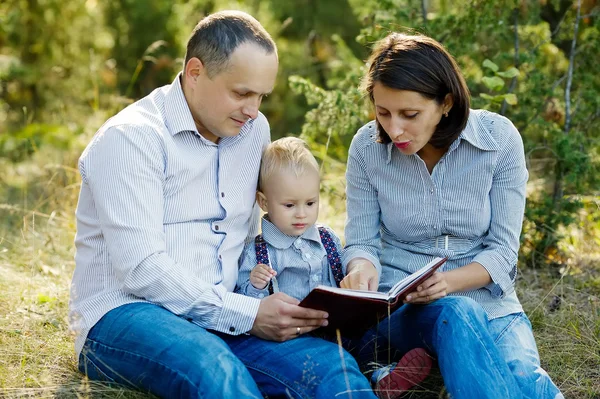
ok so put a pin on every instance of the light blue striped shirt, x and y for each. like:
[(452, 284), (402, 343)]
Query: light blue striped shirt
[(399, 215), (163, 215), (301, 262)]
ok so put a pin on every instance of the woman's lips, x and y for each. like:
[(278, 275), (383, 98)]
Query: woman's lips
[(402, 145)]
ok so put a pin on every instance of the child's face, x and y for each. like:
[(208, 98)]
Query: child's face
[(291, 202)]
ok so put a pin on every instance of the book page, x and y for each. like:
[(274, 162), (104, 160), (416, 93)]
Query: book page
[(355, 293), (400, 285)]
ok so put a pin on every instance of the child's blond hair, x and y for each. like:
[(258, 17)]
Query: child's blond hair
[(288, 153)]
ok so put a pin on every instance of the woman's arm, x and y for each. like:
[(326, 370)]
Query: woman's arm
[(363, 245)]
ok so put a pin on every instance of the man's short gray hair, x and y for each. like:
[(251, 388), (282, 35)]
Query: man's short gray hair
[(218, 35)]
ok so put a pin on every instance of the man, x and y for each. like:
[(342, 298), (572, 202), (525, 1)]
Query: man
[(166, 203)]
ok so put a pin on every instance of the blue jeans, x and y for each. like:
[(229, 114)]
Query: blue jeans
[(148, 348), (514, 339), (477, 358)]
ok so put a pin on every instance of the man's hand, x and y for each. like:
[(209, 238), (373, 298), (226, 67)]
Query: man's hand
[(261, 275), (435, 287), (280, 318), (361, 275)]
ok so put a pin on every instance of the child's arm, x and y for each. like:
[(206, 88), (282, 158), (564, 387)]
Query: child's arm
[(247, 265)]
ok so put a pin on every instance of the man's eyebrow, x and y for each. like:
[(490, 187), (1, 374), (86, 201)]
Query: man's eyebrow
[(247, 90)]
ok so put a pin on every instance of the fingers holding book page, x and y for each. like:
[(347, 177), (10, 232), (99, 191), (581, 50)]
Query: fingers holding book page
[(435, 287), (361, 275)]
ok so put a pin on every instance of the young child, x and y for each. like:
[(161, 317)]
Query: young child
[(294, 254)]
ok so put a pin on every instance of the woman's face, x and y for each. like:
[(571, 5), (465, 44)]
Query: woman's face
[(409, 118)]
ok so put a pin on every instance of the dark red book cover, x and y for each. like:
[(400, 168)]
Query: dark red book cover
[(353, 312)]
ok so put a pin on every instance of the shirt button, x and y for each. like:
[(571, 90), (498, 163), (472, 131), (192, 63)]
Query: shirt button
[(316, 277), (308, 256), (435, 226), (431, 191), (222, 195), (261, 295), (220, 257), (231, 329), (217, 227)]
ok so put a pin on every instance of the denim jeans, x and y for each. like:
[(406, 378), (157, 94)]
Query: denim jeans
[(477, 358), (514, 338), (148, 348)]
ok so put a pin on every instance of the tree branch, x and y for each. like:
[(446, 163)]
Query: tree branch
[(570, 70)]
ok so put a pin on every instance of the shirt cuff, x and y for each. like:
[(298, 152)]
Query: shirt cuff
[(502, 280), (352, 253), (255, 292), (238, 314)]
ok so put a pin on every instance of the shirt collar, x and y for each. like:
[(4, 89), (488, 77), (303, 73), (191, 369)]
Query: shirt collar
[(474, 133), (477, 135), (178, 116), (273, 236)]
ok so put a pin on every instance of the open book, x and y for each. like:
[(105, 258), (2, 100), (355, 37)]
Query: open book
[(354, 311)]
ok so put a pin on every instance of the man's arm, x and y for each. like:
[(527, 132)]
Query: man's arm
[(124, 169)]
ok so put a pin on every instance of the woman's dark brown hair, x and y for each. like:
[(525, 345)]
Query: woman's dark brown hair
[(421, 64)]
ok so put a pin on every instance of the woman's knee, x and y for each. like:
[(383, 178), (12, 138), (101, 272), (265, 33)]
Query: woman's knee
[(461, 308)]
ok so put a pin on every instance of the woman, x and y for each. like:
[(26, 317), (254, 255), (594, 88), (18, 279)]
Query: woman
[(430, 177)]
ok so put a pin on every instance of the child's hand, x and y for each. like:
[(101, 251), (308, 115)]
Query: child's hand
[(261, 275)]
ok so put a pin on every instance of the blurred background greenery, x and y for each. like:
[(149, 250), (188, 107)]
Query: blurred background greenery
[(66, 66)]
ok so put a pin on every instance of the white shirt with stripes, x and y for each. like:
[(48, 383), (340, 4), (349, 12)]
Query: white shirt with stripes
[(163, 215), (470, 208)]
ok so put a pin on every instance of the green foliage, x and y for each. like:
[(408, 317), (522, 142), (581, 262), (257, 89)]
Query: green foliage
[(144, 46), (19, 145), (515, 56)]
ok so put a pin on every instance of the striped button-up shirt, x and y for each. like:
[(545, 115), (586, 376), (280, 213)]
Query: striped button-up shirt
[(470, 208), (163, 215), (301, 262)]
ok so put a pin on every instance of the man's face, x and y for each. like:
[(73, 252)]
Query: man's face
[(221, 105)]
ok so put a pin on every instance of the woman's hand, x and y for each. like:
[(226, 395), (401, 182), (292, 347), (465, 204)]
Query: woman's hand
[(435, 287), (361, 274)]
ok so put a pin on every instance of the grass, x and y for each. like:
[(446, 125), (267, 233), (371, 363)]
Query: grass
[(36, 264)]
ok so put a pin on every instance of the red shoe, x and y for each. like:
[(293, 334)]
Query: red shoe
[(394, 380)]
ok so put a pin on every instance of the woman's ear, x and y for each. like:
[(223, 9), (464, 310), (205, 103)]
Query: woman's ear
[(448, 103), (262, 201)]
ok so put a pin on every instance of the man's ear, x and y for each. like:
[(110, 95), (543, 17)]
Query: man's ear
[(262, 201), (193, 69)]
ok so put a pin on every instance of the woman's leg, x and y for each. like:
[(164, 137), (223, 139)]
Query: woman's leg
[(148, 348), (304, 367), (455, 330), (514, 338)]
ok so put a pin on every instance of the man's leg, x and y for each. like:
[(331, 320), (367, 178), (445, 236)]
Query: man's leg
[(149, 348), (304, 367), (454, 329), (514, 338)]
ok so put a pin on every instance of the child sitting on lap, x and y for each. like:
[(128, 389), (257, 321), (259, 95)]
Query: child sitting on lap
[(294, 254)]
